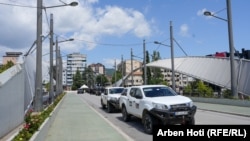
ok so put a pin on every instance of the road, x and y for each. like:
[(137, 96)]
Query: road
[(134, 128)]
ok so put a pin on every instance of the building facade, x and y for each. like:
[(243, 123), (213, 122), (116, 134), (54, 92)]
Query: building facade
[(126, 68), (98, 68), (75, 61), (11, 56)]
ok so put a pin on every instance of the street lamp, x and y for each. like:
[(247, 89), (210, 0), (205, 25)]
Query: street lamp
[(38, 99), (58, 64), (172, 62), (172, 54), (231, 46)]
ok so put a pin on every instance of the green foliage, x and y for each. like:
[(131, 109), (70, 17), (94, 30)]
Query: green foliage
[(77, 80), (34, 120), (88, 77), (6, 66), (116, 76), (227, 94), (101, 79)]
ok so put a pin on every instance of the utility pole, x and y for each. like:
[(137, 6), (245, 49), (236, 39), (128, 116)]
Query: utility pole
[(57, 67), (115, 70), (144, 63), (231, 49), (51, 92), (38, 84), (132, 77), (172, 55), (60, 72), (122, 71)]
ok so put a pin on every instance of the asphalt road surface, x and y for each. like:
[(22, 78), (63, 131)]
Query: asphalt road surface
[(135, 130)]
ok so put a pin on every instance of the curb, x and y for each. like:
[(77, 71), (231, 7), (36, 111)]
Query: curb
[(42, 132)]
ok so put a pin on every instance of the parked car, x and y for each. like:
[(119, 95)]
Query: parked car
[(80, 91), (110, 98)]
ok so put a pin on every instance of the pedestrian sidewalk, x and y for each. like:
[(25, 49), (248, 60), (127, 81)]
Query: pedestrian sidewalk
[(76, 121), (236, 110)]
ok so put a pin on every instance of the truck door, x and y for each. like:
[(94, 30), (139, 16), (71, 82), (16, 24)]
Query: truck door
[(137, 109)]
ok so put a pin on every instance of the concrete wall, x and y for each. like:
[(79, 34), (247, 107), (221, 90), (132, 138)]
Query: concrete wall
[(234, 102), (11, 99)]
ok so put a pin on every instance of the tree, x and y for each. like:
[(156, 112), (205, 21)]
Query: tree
[(148, 75), (156, 72), (116, 76), (6, 66), (77, 80), (101, 80), (88, 77)]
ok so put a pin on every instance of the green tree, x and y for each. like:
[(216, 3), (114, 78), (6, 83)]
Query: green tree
[(6, 66), (77, 80), (101, 80), (156, 72), (88, 77), (148, 75), (117, 75)]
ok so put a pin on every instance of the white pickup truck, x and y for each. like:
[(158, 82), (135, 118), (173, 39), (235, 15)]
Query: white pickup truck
[(156, 104), (110, 98)]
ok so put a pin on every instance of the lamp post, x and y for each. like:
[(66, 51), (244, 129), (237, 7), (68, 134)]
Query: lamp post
[(58, 79), (38, 105), (172, 54), (231, 46), (51, 91)]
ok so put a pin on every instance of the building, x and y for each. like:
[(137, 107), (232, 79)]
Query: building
[(181, 80), (75, 61), (125, 67), (98, 68), (11, 56)]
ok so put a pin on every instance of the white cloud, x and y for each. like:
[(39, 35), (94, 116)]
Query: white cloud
[(86, 23), (184, 29)]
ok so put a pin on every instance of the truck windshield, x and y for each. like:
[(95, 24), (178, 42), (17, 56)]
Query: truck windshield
[(116, 90), (158, 91)]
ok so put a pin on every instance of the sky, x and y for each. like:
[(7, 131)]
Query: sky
[(107, 31)]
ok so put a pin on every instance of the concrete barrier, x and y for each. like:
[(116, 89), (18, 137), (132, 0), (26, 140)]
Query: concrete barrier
[(232, 102)]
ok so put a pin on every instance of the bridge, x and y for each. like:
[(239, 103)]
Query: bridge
[(210, 69)]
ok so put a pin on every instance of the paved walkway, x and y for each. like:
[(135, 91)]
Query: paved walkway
[(76, 121)]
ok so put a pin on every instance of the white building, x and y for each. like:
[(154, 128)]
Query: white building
[(75, 61)]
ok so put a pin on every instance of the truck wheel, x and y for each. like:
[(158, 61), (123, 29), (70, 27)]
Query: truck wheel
[(103, 106), (190, 122), (125, 115), (109, 108), (148, 123)]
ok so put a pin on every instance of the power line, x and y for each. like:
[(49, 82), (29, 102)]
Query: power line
[(18, 5)]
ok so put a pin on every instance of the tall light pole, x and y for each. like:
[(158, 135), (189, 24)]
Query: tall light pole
[(132, 77), (58, 79), (38, 98), (231, 46), (38, 101), (144, 63), (172, 54), (51, 91)]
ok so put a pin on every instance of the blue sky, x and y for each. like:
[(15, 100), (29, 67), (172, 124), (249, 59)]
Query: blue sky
[(106, 30)]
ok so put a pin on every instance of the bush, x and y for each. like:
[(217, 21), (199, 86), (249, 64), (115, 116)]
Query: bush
[(33, 120)]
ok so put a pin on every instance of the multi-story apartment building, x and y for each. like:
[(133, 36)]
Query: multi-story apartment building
[(75, 61), (126, 66), (181, 80), (98, 68)]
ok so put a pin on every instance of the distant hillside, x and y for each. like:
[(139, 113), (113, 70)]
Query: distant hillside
[(109, 71)]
